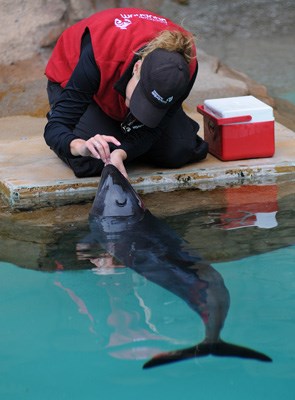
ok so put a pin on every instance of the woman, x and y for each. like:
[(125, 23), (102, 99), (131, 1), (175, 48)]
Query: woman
[(116, 83)]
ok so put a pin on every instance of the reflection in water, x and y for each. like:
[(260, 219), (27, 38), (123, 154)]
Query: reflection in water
[(123, 323), (247, 207), (196, 216)]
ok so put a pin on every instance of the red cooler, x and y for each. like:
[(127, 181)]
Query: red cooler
[(238, 128)]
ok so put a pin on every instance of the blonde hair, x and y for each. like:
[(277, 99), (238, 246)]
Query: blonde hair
[(178, 41)]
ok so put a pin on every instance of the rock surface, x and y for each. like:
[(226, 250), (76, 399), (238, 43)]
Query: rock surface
[(29, 29)]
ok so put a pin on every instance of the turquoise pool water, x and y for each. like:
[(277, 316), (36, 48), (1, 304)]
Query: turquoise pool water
[(85, 334), (289, 96)]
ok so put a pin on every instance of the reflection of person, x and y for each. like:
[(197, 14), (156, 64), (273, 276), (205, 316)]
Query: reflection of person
[(116, 83), (128, 316)]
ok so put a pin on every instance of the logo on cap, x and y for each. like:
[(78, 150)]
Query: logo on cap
[(158, 97)]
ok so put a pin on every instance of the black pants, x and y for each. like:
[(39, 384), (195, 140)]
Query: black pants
[(178, 143)]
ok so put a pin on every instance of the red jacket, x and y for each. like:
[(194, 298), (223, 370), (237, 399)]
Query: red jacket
[(115, 35)]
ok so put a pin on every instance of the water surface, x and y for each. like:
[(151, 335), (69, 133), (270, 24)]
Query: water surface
[(86, 333)]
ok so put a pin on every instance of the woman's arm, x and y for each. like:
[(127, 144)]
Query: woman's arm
[(71, 105)]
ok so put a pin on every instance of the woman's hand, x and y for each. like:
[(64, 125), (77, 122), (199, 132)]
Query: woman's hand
[(117, 158), (97, 147)]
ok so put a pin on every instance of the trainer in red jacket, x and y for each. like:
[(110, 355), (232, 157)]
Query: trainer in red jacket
[(116, 83)]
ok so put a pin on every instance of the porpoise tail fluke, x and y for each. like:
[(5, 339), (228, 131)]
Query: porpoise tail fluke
[(220, 349)]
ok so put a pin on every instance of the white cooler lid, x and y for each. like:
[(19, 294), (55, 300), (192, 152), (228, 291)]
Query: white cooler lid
[(238, 106)]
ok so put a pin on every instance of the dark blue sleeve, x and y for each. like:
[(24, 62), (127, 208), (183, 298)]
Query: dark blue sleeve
[(72, 103)]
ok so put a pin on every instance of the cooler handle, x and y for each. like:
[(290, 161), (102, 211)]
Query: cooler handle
[(223, 121)]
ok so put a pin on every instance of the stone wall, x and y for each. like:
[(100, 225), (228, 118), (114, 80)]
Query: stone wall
[(29, 29), (28, 26)]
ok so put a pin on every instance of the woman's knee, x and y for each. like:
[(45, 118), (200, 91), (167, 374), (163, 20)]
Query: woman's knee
[(170, 156)]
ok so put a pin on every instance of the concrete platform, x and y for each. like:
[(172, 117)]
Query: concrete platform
[(31, 175)]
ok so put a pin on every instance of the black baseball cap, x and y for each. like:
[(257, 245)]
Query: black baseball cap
[(164, 78)]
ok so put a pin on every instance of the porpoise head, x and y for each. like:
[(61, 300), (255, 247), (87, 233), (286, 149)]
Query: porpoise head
[(116, 204)]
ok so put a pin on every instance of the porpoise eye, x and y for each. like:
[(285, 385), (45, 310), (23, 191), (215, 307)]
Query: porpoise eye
[(121, 203)]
